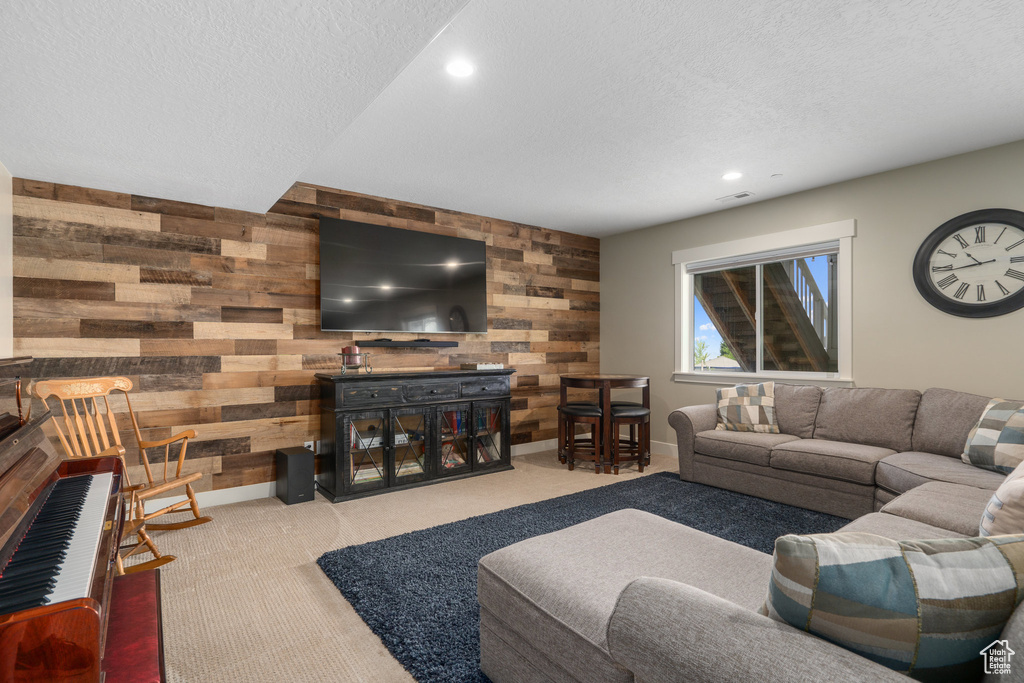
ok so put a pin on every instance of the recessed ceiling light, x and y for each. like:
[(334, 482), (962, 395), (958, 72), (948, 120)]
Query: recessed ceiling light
[(347, 300), (386, 288), (732, 175), (459, 68), (452, 265)]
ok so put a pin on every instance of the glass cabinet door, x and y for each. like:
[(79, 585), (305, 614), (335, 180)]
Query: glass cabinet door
[(366, 453), (489, 450), (453, 452), (410, 433)]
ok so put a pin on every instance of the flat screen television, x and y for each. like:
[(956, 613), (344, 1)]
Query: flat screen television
[(380, 279)]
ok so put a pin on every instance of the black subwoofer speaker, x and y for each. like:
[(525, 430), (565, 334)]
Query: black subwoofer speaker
[(295, 474)]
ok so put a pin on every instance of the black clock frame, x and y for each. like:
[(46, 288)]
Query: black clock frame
[(922, 265)]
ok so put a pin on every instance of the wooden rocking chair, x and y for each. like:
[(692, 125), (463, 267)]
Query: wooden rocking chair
[(85, 434)]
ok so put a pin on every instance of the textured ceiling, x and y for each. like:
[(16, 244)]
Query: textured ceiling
[(597, 116), (220, 103), (594, 116)]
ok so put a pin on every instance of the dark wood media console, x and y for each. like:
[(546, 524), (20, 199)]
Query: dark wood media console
[(383, 431)]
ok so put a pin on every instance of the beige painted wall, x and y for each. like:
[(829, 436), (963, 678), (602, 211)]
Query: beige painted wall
[(6, 266), (898, 339)]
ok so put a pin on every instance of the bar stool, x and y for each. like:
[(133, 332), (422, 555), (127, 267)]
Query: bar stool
[(563, 429), (570, 415), (637, 446)]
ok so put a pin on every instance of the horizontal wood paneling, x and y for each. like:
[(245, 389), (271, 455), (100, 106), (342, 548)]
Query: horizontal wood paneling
[(214, 315)]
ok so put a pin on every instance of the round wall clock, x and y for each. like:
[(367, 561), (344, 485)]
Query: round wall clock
[(973, 265)]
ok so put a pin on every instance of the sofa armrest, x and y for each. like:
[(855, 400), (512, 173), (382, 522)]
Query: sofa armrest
[(663, 630), (687, 422)]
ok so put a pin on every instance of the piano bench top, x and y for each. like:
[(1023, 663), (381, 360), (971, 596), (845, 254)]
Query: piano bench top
[(134, 650)]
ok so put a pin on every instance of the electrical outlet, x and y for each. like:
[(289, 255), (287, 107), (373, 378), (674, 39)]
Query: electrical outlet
[(311, 445)]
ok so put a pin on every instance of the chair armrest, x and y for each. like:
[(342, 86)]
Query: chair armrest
[(663, 630), (116, 449), (187, 434), (156, 489), (687, 422)]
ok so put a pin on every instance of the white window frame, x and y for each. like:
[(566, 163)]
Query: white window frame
[(842, 232)]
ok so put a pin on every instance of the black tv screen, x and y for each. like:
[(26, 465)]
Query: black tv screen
[(380, 279)]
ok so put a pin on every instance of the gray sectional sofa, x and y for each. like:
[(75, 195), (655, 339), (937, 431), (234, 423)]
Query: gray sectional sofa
[(843, 451), (634, 597)]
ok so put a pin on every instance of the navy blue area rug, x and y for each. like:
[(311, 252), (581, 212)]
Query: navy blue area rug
[(417, 591)]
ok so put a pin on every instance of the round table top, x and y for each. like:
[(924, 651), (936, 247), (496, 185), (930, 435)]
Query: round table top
[(601, 378)]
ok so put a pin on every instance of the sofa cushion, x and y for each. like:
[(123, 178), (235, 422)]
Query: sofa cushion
[(901, 472), (747, 408), (944, 419), (951, 506), (558, 591), (925, 608), (898, 528), (833, 459), (1004, 511), (796, 406), (882, 497), (876, 417), (997, 442), (743, 446)]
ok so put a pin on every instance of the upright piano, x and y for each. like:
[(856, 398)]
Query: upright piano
[(60, 527)]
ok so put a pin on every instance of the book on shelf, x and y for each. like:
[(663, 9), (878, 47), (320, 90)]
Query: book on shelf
[(451, 422), (364, 474), (483, 453), (483, 366), (450, 457), (411, 467)]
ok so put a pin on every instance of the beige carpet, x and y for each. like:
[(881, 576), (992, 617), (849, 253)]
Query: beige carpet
[(245, 601)]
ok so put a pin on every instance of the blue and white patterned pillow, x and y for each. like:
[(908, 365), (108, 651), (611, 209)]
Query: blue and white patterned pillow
[(923, 608), (997, 442)]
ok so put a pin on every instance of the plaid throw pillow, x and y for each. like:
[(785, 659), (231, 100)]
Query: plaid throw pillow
[(1004, 513), (923, 608), (997, 442), (747, 408)]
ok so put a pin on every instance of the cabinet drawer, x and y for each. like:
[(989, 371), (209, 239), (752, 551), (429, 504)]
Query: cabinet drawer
[(432, 392), (496, 386), (373, 395)]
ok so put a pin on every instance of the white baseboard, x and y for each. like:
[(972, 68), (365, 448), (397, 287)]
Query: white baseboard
[(209, 499), (664, 448), (534, 447), (238, 494), (657, 447)]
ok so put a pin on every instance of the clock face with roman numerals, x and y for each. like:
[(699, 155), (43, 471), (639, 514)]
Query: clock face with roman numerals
[(973, 265)]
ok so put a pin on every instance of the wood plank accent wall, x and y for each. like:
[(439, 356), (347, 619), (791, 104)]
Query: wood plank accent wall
[(214, 313)]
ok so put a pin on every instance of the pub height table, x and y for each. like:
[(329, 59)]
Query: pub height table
[(604, 385)]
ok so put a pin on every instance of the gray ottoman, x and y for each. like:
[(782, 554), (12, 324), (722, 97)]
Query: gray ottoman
[(545, 602)]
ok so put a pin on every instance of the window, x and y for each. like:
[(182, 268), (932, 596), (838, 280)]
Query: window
[(775, 306)]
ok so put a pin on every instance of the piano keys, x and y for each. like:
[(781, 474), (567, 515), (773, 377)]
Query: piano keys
[(55, 560)]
